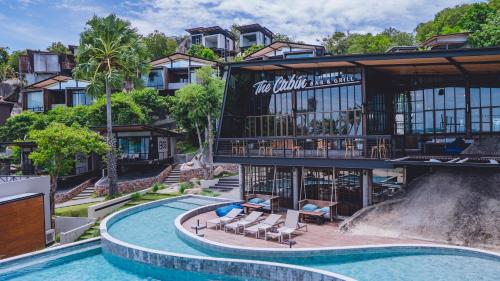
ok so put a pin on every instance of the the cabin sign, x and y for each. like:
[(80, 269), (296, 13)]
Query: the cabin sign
[(297, 83)]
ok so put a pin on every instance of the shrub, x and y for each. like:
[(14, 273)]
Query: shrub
[(157, 186), (184, 185), (136, 196)]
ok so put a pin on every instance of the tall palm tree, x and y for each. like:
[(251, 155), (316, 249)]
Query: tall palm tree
[(111, 55)]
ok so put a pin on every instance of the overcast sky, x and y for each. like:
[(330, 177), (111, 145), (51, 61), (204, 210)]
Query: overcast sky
[(34, 24)]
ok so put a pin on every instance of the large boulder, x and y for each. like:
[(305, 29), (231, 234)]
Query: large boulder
[(218, 171)]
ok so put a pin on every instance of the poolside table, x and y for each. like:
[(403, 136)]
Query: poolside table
[(250, 206), (318, 216)]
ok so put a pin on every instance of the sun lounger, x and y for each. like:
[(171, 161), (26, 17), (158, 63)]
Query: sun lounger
[(291, 225), (265, 225), (252, 218), (230, 217)]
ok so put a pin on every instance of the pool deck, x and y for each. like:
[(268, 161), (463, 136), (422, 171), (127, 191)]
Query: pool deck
[(326, 235)]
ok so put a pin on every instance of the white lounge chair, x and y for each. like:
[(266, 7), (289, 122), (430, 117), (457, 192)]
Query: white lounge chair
[(252, 218), (265, 225), (229, 217), (292, 224)]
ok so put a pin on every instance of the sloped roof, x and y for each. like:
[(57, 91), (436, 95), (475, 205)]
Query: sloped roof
[(280, 44), (179, 56), (254, 27), (51, 81)]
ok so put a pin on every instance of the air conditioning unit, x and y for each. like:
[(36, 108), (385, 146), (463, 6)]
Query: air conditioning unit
[(50, 236)]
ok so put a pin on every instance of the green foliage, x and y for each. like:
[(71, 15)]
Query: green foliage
[(281, 37), (18, 126), (6, 72), (185, 185), (151, 103), (4, 55), (202, 52), (444, 22), (136, 196), (209, 193), (252, 49), (159, 45), (476, 15), (125, 111), (489, 35), (340, 43), (110, 50), (73, 211), (157, 186), (185, 147), (77, 115), (180, 105), (58, 48), (14, 59), (58, 144)]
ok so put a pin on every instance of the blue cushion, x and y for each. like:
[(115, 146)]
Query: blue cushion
[(266, 204), (309, 207), (222, 211), (323, 210), (256, 201)]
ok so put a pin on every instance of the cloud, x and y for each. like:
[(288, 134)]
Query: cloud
[(303, 20)]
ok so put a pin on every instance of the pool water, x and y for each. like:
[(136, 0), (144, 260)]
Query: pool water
[(154, 228), (93, 265)]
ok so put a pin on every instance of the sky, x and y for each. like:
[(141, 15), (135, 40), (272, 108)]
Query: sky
[(34, 24)]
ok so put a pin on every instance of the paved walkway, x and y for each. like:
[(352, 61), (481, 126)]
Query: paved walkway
[(80, 201)]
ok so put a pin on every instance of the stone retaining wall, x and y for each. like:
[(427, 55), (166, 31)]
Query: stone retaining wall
[(68, 195), (134, 185), (187, 175)]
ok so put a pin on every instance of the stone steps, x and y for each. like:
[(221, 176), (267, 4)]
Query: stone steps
[(226, 184)]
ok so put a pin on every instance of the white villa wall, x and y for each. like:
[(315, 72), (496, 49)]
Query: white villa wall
[(33, 184), (72, 83)]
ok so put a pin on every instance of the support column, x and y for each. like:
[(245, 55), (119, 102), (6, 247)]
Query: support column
[(365, 188), (296, 187), (241, 179)]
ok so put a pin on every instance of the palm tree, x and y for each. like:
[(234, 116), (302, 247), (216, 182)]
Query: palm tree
[(110, 56)]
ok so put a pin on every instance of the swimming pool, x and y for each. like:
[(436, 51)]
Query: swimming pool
[(404, 263), (91, 264), (152, 227)]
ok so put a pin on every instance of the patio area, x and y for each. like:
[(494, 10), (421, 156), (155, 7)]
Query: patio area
[(325, 235)]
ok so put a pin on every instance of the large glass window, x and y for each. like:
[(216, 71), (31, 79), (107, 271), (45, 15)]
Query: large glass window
[(134, 148), (155, 79), (82, 98), (35, 101), (485, 109)]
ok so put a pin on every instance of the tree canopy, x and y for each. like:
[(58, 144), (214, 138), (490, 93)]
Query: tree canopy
[(480, 19), (125, 111), (151, 103), (58, 48), (110, 50), (202, 52), (354, 43), (159, 45)]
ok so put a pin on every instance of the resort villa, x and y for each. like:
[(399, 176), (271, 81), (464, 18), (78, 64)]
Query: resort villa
[(378, 166)]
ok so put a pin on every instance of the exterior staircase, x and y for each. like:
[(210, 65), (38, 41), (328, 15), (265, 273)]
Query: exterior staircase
[(228, 183), (86, 193), (174, 176)]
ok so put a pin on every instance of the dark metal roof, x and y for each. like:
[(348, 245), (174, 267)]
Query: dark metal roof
[(253, 28), (211, 30), (137, 128)]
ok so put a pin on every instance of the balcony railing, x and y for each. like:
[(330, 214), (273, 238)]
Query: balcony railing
[(131, 157), (13, 178), (338, 147)]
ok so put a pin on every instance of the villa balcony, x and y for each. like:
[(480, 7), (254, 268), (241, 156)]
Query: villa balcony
[(176, 85)]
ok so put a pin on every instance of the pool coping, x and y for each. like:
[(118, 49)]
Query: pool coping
[(212, 265), (308, 252)]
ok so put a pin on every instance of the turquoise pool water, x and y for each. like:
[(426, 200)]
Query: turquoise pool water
[(92, 265), (154, 228)]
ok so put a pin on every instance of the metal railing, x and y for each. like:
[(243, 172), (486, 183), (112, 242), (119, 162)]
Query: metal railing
[(129, 157), (334, 147), (13, 178)]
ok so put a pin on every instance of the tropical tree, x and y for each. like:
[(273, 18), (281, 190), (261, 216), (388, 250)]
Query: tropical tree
[(18, 126), (110, 55), (4, 55), (58, 48), (159, 45), (125, 111), (202, 52), (57, 146), (151, 103), (281, 37), (489, 34)]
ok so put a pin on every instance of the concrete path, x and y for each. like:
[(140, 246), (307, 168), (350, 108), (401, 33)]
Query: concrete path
[(80, 201)]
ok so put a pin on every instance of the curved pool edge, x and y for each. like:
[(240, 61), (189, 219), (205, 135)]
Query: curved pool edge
[(21, 261), (191, 238), (210, 265)]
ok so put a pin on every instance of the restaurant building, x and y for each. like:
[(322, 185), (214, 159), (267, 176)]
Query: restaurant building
[(354, 129)]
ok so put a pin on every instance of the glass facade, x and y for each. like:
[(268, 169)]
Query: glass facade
[(322, 108), (485, 109), (136, 148), (82, 98), (35, 101), (270, 180)]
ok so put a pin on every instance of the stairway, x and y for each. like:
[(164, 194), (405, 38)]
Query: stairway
[(227, 183), (174, 176), (86, 193)]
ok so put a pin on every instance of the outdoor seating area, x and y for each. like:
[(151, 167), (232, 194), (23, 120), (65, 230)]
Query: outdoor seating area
[(278, 230)]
